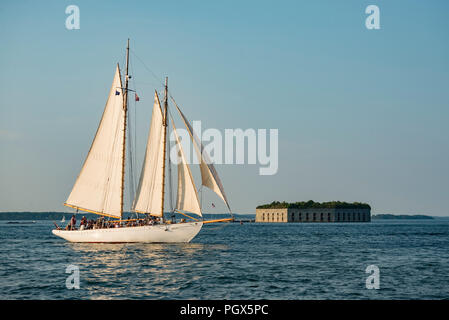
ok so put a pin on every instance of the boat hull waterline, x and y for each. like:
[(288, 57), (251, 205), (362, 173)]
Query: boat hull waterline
[(161, 233)]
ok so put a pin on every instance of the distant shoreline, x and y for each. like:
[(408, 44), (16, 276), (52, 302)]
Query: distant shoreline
[(57, 216), (24, 215), (401, 216)]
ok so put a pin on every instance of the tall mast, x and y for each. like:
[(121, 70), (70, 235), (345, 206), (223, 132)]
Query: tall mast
[(125, 107), (164, 142)]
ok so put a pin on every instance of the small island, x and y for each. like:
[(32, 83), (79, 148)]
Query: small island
[(311, 211), (313, 204)]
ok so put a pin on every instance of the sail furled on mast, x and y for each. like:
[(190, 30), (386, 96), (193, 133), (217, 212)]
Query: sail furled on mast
[(209, 176), (149, 192), (187, 196), (99, 184)]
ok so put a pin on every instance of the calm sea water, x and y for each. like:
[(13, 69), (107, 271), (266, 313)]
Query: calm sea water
[(233, 261)]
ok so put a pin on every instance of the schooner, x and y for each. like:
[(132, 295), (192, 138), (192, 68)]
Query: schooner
[(100, 185)]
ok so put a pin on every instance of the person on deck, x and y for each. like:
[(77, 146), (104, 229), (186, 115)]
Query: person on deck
[(101, 223), (73, 223)]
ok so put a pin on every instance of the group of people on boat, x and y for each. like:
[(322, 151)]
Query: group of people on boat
[(102, 223)]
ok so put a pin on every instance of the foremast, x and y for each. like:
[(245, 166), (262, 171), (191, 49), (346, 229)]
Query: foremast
[(125, 109), (165, 124)]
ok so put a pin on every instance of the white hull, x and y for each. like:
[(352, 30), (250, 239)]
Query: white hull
[(180, 232)]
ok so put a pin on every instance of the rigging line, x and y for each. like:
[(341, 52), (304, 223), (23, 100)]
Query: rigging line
[(122, 89), (167, 163), (135, 104), (122, 64), (130, 156), (170, 174), (135, 123), (179, 144), (133, 143), (170, 179), (110, 166), (200, 144), (201, 198), (190, 147), (158, 79), (131, 159), (148, 69), (209, 165), (135, 135)]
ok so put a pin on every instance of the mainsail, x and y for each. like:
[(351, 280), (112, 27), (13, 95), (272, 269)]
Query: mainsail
[(98, 187), (187, 197), (149, 193), (209, 176)]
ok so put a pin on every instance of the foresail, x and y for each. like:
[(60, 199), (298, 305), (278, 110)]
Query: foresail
[(187, 197), (209, 176), (149, 193), (99, 184)]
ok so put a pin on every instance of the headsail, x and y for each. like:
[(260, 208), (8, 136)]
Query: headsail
[(149, 193), (209, 176), (187, 198), (99, 184)]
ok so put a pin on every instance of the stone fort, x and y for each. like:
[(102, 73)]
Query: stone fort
[(314, 212)]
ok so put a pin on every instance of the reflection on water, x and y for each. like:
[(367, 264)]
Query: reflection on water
[(159, 269), (250, 261)]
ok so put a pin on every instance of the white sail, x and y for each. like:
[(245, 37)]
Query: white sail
[(187, 197), (98, 187), (149, 193), (209, 176)]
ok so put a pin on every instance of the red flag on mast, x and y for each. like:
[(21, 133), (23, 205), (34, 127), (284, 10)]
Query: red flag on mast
[(137, 97)]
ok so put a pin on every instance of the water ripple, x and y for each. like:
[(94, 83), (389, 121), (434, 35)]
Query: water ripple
[(250, 261)]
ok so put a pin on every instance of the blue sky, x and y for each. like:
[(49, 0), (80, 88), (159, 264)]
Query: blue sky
[(362, 114)]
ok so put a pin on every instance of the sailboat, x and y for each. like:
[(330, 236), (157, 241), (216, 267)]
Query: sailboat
[(99, 188), (63, 219)]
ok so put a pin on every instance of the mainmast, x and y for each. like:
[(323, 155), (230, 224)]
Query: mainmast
[(125, 108), (164, 142)]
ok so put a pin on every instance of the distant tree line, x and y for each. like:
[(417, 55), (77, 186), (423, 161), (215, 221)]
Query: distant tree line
[(57, 216), (41, 215), (400, 216), (313, 204)]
